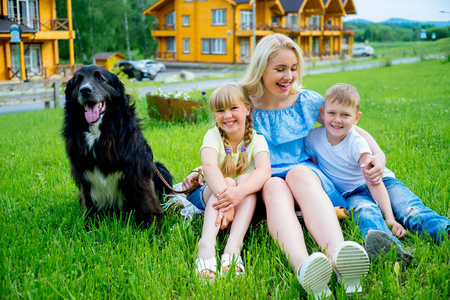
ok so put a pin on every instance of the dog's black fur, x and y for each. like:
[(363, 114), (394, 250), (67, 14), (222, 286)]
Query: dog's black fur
[(112, 164)]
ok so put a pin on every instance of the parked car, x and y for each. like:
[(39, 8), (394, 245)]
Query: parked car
[(136, 70), (159, 67), (363, 51)]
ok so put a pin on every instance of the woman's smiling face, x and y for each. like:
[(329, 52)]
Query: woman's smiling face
[(280, 74)]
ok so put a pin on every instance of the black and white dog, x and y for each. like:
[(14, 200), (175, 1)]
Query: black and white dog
[(112, 164)]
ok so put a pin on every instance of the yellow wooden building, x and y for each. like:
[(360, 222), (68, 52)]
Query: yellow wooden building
[(37, 54), (224, 31), (107, 59)]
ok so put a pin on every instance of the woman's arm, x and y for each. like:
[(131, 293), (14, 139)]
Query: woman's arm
[(254, 183), (373, 167)]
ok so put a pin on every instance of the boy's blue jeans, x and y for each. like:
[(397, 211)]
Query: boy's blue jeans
[(408, 209)]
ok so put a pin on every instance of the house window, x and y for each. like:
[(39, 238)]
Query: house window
[(170, 44), (187, 0), (314, 20), (246, 19), (185, 19), (213, 46), (218, 17), (24, 11), (170, 19), (33, 59), (275, 20), (292, 20), (186, 46)]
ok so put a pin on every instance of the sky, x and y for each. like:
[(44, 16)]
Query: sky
[(415, 10)]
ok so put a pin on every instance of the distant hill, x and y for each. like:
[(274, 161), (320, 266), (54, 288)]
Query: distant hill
[(401, 21)]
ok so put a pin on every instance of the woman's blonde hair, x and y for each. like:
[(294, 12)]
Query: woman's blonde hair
[(225, 96), (267, 48)]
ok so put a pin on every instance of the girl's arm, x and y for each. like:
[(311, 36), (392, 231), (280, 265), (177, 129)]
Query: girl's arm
[(211, 171), (254, 183), (374, 165)]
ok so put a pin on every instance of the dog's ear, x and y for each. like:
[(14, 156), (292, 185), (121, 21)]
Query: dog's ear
[(70, 86), (119, 88)]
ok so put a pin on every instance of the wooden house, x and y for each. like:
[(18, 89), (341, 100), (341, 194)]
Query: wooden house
[(107, 59), (225, 31), (37, 54)]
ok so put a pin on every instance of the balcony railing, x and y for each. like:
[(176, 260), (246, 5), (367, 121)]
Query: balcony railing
[(311, 27), (163, 27), (46, 72), (331, 27), (44, 24)]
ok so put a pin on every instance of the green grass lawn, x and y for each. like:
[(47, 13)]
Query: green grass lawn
[(47, 253)]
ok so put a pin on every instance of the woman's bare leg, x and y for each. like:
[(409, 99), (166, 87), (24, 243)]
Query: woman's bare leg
[(318, 212)]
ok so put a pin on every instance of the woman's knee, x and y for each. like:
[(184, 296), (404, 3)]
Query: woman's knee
[(275, 190), (302, 175)]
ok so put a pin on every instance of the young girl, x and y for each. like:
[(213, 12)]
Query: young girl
[(236, 164)]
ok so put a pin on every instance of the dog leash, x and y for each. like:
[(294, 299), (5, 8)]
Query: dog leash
[(194, 181)]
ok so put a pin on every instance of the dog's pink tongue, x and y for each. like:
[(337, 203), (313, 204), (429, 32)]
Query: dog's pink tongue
[(92, 114)]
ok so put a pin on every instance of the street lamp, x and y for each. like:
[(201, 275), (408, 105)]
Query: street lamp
[(15, 38)]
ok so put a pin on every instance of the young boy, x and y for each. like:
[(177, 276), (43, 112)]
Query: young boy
[(340, 152)]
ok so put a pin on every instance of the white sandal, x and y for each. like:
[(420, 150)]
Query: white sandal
[(203, 265), (351, 264), (228, 261), (314, 273)]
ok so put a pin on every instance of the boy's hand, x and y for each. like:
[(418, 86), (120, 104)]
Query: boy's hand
[(397, 229), (373, 169), (229, 198)]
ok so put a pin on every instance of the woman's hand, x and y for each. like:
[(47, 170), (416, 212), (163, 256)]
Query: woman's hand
[(373, 168), (187, 182), (229, 198)]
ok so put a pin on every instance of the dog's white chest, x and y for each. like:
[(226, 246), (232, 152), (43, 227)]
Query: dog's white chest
[(93, 134), (105, 190)]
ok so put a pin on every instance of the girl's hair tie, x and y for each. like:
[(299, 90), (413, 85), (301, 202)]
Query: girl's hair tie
[(243, 148), (228, 150)]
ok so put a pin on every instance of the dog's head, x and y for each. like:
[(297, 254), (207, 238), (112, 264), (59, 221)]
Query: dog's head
[(94, 89)]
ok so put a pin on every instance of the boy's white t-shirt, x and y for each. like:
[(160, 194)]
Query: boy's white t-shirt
[(212, 139), (340, 163)]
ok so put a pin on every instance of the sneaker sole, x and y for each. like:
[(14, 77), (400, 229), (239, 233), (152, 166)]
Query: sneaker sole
[(352, 264), (316, 274), (378, 244)]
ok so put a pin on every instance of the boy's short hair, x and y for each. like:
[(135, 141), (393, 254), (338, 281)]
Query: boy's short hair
[(344, 94)]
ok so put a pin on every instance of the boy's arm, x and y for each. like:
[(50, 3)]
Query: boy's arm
[(254, 183), (381, 197), (374, 164)]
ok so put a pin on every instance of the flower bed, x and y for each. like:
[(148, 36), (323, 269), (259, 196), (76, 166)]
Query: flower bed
[(172, 106)]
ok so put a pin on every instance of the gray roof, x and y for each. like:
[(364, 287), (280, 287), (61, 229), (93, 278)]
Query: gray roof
[(104, 55), (290, 6), (5, 25)]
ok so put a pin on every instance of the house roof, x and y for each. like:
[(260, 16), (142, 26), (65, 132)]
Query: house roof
[(290, 6), (106, 55), (5, 25)]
